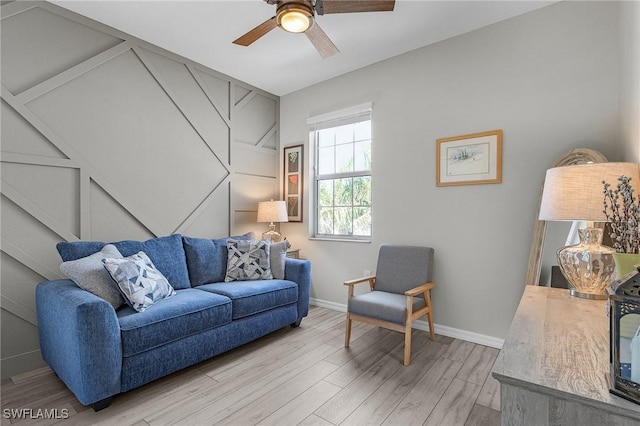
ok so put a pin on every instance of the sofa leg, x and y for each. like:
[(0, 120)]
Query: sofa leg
[(101, 405), (297, 323)]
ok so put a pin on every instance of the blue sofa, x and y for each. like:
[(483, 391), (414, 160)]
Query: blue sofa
[(98, 351)]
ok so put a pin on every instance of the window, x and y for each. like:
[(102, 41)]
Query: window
[(342, 177)]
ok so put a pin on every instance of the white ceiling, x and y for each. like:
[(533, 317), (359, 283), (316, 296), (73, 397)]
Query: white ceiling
[(280, 62)]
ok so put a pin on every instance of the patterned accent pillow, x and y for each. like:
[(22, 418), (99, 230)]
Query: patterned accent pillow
[(207, 259), (248, 260), (139, 281)]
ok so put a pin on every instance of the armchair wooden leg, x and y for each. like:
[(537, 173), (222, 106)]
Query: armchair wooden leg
[(347, 334), (407, 344), (407, 330), (430, 316)]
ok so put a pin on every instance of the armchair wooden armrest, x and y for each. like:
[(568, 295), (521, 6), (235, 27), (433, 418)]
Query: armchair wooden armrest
[(420, 289), (360, 280), (351, 283)]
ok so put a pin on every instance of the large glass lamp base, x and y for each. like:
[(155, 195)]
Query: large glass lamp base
[(589, 267), (272, 234)]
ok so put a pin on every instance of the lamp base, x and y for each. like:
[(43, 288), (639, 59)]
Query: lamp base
[(589, 266), (575, 293), (272, 235)]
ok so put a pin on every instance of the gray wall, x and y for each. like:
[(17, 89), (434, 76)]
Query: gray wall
[(549, 79), (105, 137), (630, 79)]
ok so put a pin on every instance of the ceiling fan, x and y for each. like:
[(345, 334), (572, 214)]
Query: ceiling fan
[(298, 16)]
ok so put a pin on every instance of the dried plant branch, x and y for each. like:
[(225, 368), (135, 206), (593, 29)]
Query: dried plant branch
[(623, 213)]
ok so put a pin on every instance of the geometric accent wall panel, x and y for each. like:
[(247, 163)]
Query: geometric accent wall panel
[(25, 336), (25, 279), (160, 166), (257, 162), (55, 45), (55, 190), (105, 212), (105, 137), (217, 212), (19, 137), (252, 130), (29, 240), (248, 190), (241, 93), (271, 141), (218, 88), (206, 110)]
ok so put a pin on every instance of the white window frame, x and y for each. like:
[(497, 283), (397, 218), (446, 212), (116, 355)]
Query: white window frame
[(348, 115)]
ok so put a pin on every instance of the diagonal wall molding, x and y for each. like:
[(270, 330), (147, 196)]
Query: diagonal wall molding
[(9, 157), (29, 261), (214, 102), (72, 73), (18, 310), (246, 100), (37, 212)]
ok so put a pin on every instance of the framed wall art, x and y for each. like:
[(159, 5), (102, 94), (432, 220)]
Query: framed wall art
[(292, 178), (469, 159)]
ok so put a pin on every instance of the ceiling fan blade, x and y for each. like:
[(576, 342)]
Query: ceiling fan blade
[(353, 6), (321, 41), (256, 33)]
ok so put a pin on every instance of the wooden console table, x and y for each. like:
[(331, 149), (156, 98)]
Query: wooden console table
[(553, 368)]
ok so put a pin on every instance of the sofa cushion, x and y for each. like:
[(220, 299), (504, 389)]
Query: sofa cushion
[(207, 259), (166, 253), (248, 260), (89, 274), (139, 281), (189, 312), (251, 297)]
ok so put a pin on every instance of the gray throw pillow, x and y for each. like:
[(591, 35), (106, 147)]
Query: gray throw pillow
[(139, 281), (89, 274), (278, 256), (248, 260)]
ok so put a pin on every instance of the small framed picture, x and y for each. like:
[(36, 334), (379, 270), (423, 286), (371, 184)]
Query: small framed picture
[(292, 179), (469, 159)]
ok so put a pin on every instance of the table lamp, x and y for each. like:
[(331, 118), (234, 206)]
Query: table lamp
[(272, 211), (577, 193)]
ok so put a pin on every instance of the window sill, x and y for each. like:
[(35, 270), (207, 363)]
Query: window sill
[(339, 240)]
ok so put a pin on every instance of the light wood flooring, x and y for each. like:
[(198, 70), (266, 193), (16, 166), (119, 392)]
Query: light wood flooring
[(301, 376)]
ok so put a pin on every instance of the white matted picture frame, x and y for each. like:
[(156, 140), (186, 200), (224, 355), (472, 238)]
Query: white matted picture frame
[(469, 159), (293, 181)]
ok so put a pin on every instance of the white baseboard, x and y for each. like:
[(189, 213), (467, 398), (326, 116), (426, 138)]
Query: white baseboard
[(329, 305), (443, 330)]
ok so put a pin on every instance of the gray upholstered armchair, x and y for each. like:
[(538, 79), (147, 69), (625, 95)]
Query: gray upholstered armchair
[(400, 292)]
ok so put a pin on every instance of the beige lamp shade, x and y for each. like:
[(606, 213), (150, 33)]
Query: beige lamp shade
[(272, 211), (577, 193)]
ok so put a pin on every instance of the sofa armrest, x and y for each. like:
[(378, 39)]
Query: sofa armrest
[(79, 339), (299, 271)]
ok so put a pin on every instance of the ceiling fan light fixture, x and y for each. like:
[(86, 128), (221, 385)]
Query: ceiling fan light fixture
[(295, 17)]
